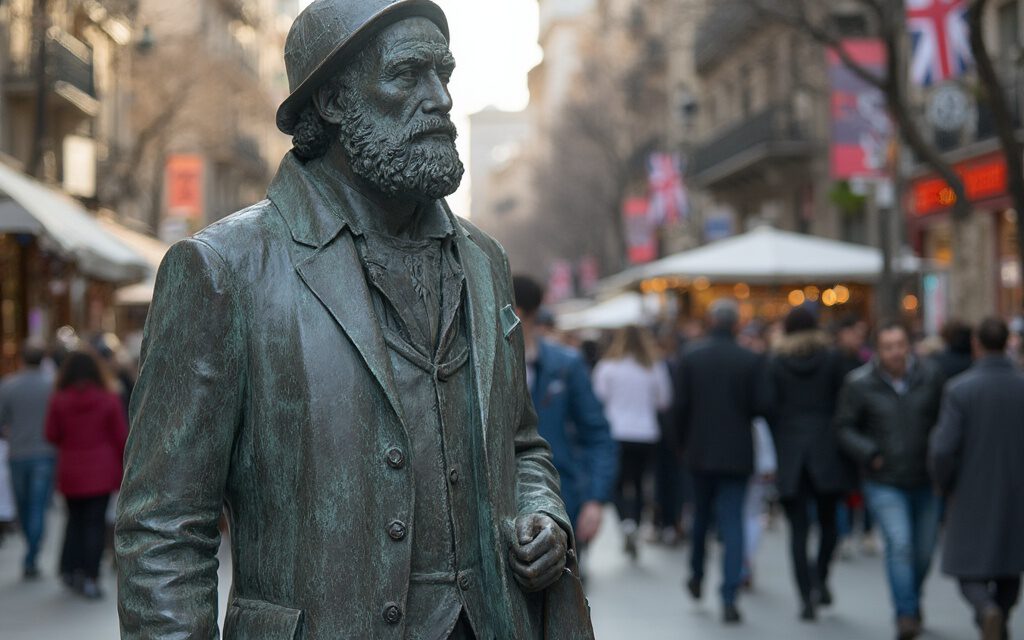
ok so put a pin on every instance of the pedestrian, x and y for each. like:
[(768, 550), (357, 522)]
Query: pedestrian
[(24, 398), (887, 410), (719, 382), (956, 355), (976, 462), (802, 385), (634, 386), (87, 424), (570, 417)]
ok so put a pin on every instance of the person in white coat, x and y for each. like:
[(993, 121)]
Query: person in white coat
[(634, 386)]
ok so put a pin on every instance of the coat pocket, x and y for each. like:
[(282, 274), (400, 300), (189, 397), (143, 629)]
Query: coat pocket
[(258, 620)]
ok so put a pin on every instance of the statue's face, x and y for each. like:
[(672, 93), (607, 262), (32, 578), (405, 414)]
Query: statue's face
[(395, 126)]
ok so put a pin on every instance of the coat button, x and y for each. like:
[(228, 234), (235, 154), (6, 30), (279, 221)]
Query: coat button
[(453, 475), (397, 530), (465, 582), (395, 458), (392, 613)]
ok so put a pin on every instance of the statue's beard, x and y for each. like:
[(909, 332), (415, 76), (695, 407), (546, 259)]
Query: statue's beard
[(420, 161)]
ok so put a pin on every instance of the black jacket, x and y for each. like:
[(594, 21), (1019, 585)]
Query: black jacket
[(874, 420), (976, 459), (717, 405), (801, 387)]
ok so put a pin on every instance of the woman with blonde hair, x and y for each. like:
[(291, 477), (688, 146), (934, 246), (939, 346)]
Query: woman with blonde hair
[(634, 386)]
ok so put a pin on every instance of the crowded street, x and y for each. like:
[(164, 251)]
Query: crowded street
[(644, 601), (511, 319)]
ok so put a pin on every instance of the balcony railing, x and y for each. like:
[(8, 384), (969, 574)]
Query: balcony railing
[(69, 71), (771, 133)]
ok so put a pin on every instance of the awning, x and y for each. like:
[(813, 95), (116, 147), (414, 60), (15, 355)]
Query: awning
[(150, 248), (621, 311), (770, 256), (64, 226)]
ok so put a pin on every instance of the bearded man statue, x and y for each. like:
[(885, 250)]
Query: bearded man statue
[(340, 371)]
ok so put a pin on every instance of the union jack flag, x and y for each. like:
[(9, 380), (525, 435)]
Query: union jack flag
[(940, 41), (669, 202)]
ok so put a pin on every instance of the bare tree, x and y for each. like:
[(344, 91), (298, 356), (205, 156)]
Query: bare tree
[(600, 139), (813, 19)]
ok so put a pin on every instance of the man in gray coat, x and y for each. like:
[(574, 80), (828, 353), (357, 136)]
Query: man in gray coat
[(975, 458), (24, 399), (340, 368)]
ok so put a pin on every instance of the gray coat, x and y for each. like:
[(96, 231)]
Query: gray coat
[(266, 388), (977, 458)]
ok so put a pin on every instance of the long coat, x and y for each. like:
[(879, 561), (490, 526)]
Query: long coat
[(975, 458), (718, 401), (801, 388), (266, 389)]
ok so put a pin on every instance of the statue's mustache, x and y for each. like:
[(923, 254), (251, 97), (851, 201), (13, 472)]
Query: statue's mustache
[(429, 127)]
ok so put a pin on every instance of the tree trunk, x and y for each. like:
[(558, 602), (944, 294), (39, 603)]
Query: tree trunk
[(993, 93)]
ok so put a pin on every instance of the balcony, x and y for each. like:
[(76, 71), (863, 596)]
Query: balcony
[(771, 135), (69, 72)]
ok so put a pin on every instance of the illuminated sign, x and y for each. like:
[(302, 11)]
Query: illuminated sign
[(983, 178), (184, 186)]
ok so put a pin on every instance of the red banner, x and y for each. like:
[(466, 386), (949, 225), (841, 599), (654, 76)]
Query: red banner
[(184, 186), (640, 237)]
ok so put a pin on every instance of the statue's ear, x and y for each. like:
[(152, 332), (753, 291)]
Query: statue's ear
[(327, 101)]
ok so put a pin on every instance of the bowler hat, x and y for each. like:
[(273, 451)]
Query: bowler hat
[(327, 32)]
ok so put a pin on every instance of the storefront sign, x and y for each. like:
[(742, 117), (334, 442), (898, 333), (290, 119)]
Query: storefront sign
[(984, 178), (185, 186)]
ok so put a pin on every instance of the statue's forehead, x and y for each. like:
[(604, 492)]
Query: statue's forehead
[(414, 36)]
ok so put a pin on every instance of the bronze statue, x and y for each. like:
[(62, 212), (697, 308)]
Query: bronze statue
[(339, 369)]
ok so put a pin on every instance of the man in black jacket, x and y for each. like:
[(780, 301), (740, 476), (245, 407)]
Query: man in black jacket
[(717, 392), (975, 458), (887, 410)]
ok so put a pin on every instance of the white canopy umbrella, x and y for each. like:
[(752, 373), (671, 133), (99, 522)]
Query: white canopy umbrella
[(621, 311), (150, 248), (770, 256)]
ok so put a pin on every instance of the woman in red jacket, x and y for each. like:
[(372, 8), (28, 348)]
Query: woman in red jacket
[(87, 424)]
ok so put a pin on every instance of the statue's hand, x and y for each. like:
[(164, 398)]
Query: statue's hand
[(538, 554)]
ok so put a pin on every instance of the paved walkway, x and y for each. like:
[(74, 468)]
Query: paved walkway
[(630, 602)]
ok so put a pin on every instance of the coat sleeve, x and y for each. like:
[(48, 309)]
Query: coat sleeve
[(600, 450), (184, 413), (946, 442), (849, 422), (537, 487)]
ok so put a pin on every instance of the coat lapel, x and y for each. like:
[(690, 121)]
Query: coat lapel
[(333, 272), (335, 275), (483, 318)]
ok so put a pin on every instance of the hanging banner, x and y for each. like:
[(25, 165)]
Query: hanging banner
[(184, 186), (559, 282), (940, 40), (669, 202), (641, 240), (861, 128), (589, 275)]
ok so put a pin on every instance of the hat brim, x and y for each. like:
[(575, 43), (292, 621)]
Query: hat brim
[(290, 110)]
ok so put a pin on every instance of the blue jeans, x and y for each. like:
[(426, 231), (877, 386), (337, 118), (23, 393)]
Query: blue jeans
[(909, 520), (721, 496), (32, 481)]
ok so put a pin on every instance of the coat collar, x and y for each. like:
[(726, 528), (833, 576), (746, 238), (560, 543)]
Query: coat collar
[(995, 361), (334, 273)]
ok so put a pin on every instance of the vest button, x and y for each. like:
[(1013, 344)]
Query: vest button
[(465, 582), (392, 613), (397, 530), (453, 475), (395, 458)]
